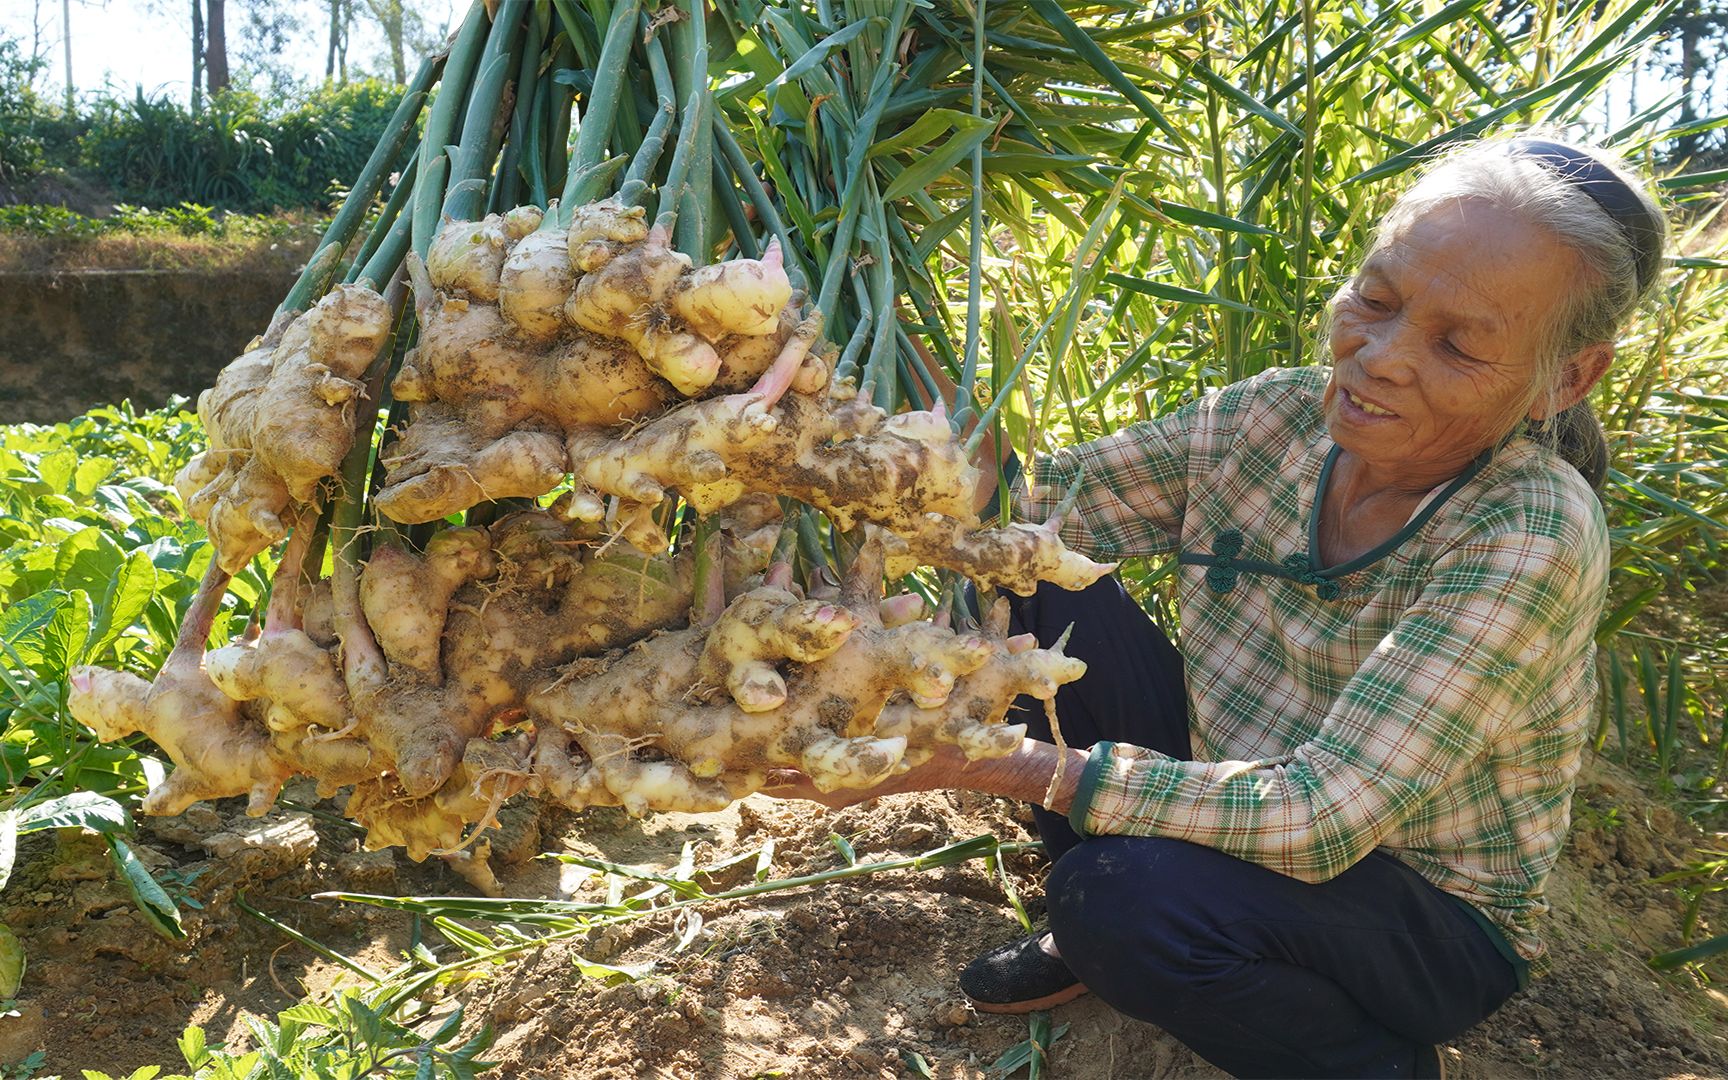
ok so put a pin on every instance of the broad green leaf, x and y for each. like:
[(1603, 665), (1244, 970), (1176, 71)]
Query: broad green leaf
[(448, 1029), (90, 474), (842, 845), (57, 468), (368, 1023), (65, 638), (192, 1046), (813, 58), (1405, 159), (927, 128), (1625, 613), (610, 974), (128, 595), (23, 625), (1176, 293), (81, 809), (470, 941), (88, 559), (11, 962), (1447, 15), (1076, 37), (1691, 954), (152, 901), (1234, 93), (1704, 178)]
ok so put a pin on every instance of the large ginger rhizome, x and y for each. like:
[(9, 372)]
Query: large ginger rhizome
[(535, 653)]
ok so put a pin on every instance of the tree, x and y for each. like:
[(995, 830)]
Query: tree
[(66, 36), (341, 23), (39, 43), (263, 43), (216, 45), (390, 18), (409, 33), (197, 55), (1698, 33)]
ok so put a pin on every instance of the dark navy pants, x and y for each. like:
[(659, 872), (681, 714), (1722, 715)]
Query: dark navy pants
[(1258, 973)]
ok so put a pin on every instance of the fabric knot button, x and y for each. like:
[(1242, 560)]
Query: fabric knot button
[(1221, 575), (1303, 572)]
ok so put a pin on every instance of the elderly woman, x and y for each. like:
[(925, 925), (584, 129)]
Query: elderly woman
[(1320, 849)]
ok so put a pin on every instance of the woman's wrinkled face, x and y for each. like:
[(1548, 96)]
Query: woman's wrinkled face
[(1434, 342)]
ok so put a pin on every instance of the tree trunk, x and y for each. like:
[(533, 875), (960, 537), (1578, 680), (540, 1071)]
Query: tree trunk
[(335, 39), (392, 20), (347, 7), (66, 35), (197, 56), (216, 46), (38, 48), (341, 22), (1690, 31)]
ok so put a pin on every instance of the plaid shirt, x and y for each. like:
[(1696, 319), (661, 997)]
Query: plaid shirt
[(1434, 703)]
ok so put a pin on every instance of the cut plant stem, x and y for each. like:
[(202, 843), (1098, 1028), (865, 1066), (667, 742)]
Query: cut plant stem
[(483, 124), (387, 220), (316, 279), (602, 104), (441, 123), (975, 281), (683, 160)]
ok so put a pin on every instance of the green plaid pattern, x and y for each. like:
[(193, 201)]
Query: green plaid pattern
[(1437, 706)]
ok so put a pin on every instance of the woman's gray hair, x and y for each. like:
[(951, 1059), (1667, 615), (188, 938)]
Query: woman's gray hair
[(1608, 289)]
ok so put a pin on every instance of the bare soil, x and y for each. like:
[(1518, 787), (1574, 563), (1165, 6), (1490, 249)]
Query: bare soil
[(854, 979)]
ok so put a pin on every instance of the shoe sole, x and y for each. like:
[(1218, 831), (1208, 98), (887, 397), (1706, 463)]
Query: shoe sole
[(1015, 1008)]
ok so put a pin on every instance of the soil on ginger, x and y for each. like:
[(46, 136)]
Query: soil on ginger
[(839, 981)]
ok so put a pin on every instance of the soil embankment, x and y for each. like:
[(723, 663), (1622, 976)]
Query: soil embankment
[(92, 321), (79, 338)]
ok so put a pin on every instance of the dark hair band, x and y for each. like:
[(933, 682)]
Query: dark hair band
[(1612, 194)]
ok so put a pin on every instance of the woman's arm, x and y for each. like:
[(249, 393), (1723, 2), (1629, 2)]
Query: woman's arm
[(1501, 621)]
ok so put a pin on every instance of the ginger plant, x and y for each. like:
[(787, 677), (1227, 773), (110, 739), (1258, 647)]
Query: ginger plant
[(625, 534)]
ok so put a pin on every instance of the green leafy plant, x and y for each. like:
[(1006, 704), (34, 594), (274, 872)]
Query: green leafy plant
[(95, 561), (350, 1038), (186, 219), (240, 152)]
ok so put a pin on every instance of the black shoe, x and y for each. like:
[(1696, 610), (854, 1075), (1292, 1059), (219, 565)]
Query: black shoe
[(1019, 977)]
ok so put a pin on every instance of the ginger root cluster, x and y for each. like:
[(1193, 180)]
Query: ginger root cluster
[(560, 644)]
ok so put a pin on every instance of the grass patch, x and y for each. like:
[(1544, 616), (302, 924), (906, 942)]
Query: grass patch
[(189, 236)]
